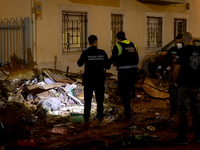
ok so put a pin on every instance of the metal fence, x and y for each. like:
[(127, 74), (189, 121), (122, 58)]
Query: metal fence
[(154, 32), (74, 31), (179, 26), (116, 26), (14, 39)]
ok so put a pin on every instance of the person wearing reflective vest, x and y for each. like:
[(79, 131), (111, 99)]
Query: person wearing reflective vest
[(125, 58)]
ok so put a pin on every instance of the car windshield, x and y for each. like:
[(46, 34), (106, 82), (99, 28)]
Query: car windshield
[(173, 43), (169, 45), (196, 43)]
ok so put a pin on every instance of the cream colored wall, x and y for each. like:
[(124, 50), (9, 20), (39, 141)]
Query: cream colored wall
[(48, 35), (15, 8)]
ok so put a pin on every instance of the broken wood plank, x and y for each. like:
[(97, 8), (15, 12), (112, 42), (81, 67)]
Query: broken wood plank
[(46, 86), (154, 92), (63, 81)]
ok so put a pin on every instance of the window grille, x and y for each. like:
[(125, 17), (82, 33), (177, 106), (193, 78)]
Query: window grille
[(74, 30), (154, 32), (179, 26), (116, 26)]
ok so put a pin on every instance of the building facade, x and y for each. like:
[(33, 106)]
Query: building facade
[(59, 28)]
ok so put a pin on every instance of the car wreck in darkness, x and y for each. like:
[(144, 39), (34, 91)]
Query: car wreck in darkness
[(156, 60)]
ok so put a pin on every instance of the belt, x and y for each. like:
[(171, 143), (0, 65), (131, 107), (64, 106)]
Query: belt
[(128, 67)]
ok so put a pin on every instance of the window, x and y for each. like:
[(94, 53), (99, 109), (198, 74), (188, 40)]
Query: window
[(116, 25), (179, 26), (74, 31), (154, 32)]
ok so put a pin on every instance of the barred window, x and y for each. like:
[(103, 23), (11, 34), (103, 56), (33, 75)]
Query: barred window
[(74, 27), (179, 26), (154, 32), (116, 25)]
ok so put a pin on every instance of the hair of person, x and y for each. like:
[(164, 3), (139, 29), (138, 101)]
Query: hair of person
[(179, 36), (121, 35), (92, 39), (188, 37)]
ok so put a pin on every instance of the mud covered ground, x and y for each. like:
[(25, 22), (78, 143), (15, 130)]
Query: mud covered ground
[(148, 112)]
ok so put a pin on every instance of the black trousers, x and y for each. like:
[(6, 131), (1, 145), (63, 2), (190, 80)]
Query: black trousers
[(188, 99), (173, 92), (98, 88), (126, 86)]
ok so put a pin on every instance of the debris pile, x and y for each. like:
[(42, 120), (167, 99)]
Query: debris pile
[(52, 99)]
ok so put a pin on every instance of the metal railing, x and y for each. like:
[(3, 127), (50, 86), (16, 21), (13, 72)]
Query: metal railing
[(116, 26), (14, 39), (179, 26), (74, 31), (154, 32)]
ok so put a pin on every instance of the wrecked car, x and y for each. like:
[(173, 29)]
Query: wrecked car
[(156, 60)]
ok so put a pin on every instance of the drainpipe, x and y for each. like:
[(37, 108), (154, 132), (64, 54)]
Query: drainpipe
[(33, 23)]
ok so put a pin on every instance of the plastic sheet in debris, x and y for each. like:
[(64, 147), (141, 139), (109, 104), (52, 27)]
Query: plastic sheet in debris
[(51, 102), (48, 80)]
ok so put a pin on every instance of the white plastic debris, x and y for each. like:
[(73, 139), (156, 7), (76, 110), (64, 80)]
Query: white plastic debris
[(52, 102), (29, 97), (48, 80), (41, 83)]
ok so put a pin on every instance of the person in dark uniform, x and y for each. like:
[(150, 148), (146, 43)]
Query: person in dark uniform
[(169, 61), (186, 76), (96, 61), (125, 58)]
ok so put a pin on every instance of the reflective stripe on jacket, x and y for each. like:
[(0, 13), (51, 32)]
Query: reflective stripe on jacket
[(127, 55)]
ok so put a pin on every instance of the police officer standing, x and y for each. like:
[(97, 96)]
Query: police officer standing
[(186, 76), (125, 58), (96, 61)]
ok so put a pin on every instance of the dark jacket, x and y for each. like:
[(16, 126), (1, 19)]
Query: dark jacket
[(170, 59), (189, 73), (96, 61)]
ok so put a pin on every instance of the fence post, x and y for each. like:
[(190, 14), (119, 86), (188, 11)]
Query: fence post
[(2, 60), (27, 37), (17, 30), (21, 39)]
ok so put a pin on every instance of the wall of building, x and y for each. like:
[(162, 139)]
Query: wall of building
[(48, 32)]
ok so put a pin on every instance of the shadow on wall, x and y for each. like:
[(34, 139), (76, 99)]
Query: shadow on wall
[(154, 7)]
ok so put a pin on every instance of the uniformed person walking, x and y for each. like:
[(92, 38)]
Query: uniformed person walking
[(96, 61), (125, 58)]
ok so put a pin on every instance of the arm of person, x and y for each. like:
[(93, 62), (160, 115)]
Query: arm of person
[(137, 56), (167, 61), (107, 63), (114, 55), (81, 60), (175, 73)]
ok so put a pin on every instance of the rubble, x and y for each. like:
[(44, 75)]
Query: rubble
[(47, 109)]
